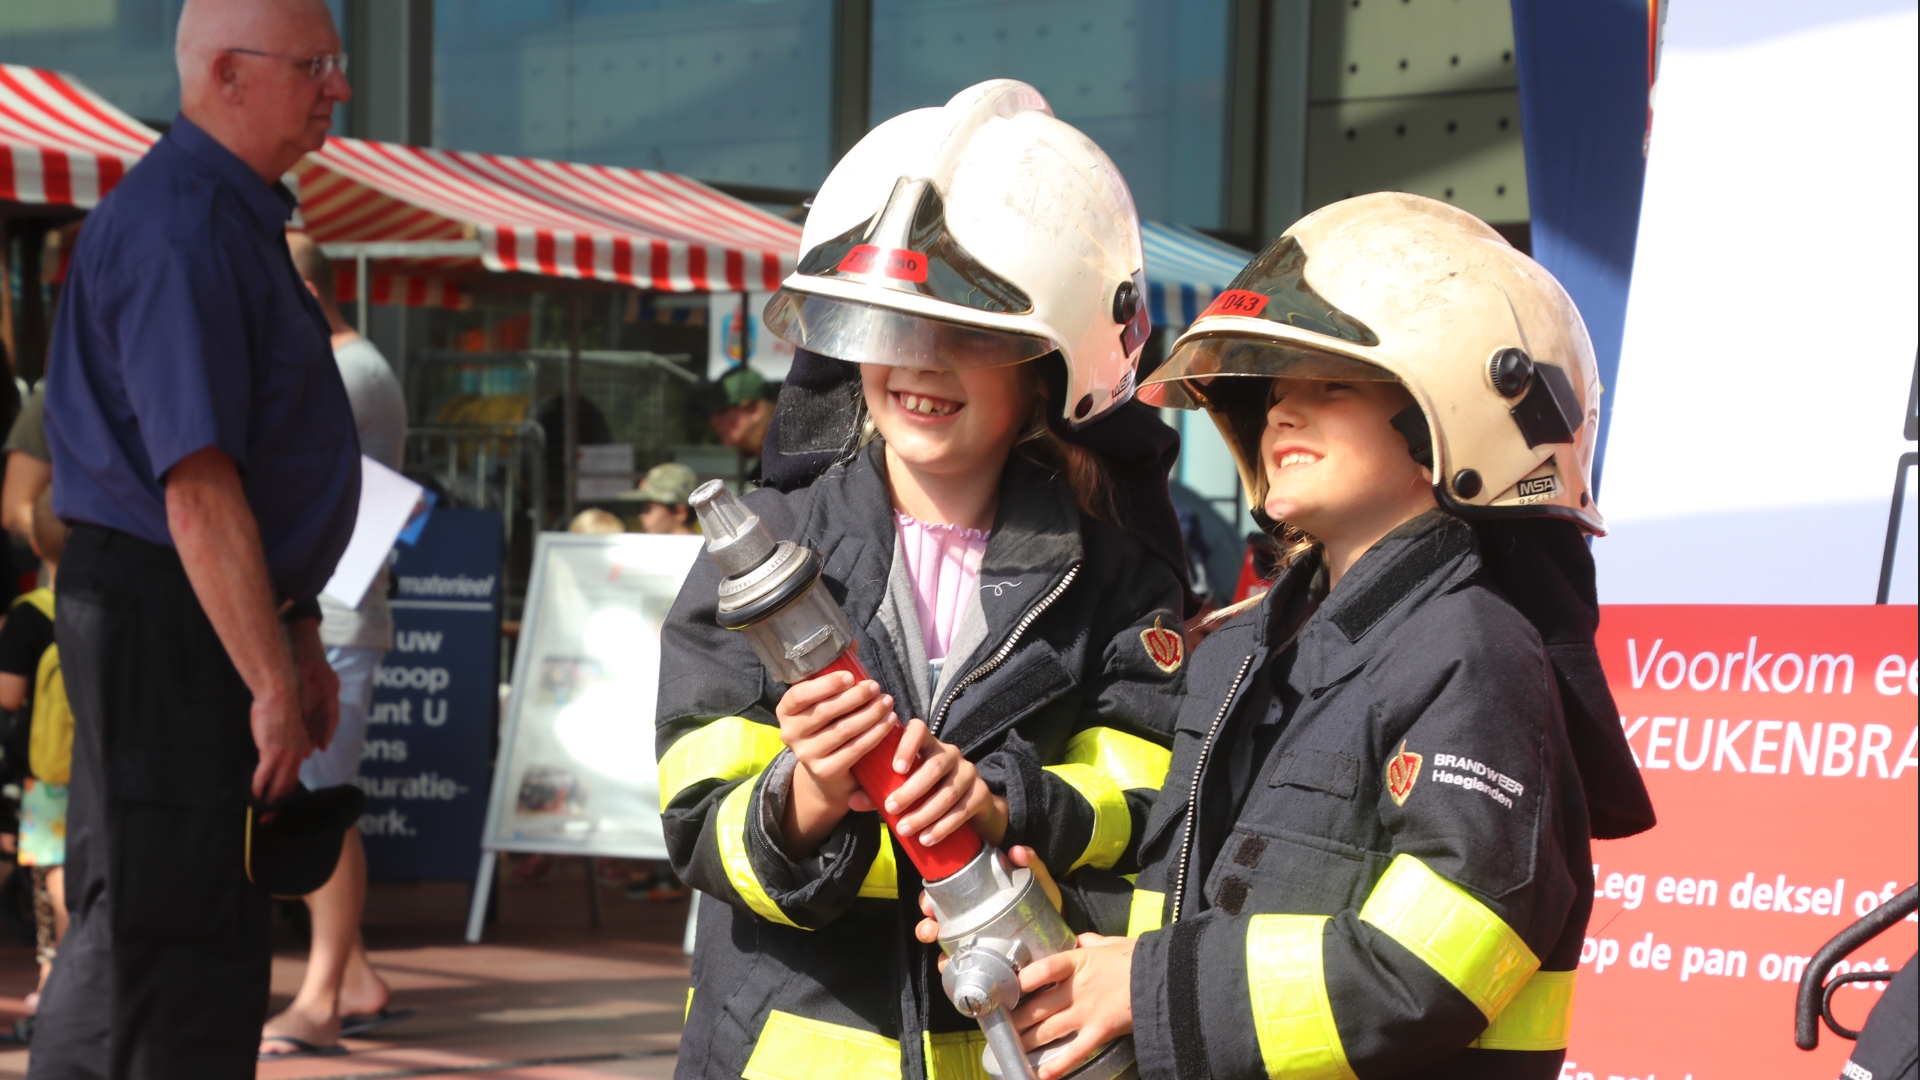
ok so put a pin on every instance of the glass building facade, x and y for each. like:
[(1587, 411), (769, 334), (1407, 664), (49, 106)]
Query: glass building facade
[(122, 49), (1144, 78), (740, 91), (735, 91)]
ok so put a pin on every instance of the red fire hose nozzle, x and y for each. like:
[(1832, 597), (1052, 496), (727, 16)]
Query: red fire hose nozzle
[(994, 917), (772, 593)]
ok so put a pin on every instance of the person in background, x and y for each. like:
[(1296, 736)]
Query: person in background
[(745, 413), (662, 499), (29, 467), (341, 995), (25, 669), (29, 471), (596, 522), (204, 455)]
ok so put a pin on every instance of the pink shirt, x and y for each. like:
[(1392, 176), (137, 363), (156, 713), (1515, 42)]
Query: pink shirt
[(943, 561)]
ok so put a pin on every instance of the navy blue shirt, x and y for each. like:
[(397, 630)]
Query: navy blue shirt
[(184, 325)]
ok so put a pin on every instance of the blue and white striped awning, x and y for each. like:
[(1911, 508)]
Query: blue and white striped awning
[(1185, 271)]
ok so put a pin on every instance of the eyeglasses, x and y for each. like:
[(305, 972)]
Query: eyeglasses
[(319, 67)]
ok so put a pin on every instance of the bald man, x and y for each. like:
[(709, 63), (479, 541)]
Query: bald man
[(204, 455)]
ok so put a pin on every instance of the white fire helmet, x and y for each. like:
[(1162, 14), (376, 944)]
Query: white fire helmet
[(982, 233), (1392, 286)]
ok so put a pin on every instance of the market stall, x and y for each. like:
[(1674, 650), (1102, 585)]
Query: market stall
[(61, 148), (60, 143), (449, 212), (427, 227)]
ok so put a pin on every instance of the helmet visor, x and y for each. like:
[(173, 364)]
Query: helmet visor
[(869, 334), (1188, 379)]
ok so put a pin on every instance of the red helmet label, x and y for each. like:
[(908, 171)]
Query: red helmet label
[(1236, 302), (896, 263)]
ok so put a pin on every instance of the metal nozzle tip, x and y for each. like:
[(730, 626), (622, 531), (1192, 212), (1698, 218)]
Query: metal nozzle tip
[(735, 537)]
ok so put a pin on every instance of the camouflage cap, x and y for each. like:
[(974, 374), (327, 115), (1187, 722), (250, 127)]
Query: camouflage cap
[(669, 484), (743, 384)]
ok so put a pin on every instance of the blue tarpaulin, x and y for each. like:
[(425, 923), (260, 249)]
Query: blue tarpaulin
[(1186, 269), (1583, 112)]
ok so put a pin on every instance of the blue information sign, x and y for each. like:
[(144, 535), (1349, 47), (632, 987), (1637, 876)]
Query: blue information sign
[(436, 701)]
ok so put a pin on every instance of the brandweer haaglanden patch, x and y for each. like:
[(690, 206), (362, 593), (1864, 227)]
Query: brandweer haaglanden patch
[(1465, 772)]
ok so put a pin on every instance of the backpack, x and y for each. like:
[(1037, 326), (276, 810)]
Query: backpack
[(50, 742)]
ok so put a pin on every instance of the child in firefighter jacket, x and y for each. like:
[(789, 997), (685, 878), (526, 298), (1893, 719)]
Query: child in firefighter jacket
[(1371, 855), (958, 360)]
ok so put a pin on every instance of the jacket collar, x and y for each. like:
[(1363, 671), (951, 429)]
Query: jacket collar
[(1035, 539), (1422, 558), (1035, 542), (270, 205)]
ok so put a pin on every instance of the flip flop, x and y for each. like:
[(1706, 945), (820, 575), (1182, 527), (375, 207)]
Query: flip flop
[(355, 1025), (301, 1049)]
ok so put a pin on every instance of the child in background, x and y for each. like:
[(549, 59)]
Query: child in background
[(596, 522), (32, 690)]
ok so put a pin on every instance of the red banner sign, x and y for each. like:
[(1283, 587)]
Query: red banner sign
[(1779, 745)]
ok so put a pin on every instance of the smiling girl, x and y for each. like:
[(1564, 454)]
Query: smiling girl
[(1372, 854), (970, 285)]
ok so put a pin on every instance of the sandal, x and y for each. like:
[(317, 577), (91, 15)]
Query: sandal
[(355, 1025), (301, 1049)]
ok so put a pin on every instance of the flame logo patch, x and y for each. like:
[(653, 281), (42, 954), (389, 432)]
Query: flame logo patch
[(1403, 769), (1166, 648)]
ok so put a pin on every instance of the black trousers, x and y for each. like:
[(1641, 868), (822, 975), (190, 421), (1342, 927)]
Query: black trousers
[(164, 972)]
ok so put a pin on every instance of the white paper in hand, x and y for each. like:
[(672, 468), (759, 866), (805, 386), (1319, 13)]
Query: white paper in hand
[(387, 500)]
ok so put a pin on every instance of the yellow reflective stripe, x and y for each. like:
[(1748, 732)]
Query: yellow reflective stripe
[(796, 1048), (955, 1055), (688, 1013), (1455, 935), (1540, 1017), (1112, 821), (730, 828), (730, 748), (883, 877), (1148, 911), (1130, 760), (1288, 990)]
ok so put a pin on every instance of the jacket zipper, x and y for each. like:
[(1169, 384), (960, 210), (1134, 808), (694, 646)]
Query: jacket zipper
[(1193, 789), (1006, 647)]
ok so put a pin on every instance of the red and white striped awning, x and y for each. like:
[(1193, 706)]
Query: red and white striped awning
[(60, 143), (652, 230)]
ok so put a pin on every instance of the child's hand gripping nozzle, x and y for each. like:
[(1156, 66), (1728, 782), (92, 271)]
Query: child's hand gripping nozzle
[(994, 917)]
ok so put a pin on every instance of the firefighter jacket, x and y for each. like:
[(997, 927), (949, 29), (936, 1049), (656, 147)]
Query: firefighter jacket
[(809, 969), (1405, 887)]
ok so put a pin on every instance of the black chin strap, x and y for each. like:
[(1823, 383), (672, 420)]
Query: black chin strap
[(816, 423), (1411, 423)]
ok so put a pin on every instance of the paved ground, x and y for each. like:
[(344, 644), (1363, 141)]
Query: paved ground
[(546, 996)]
